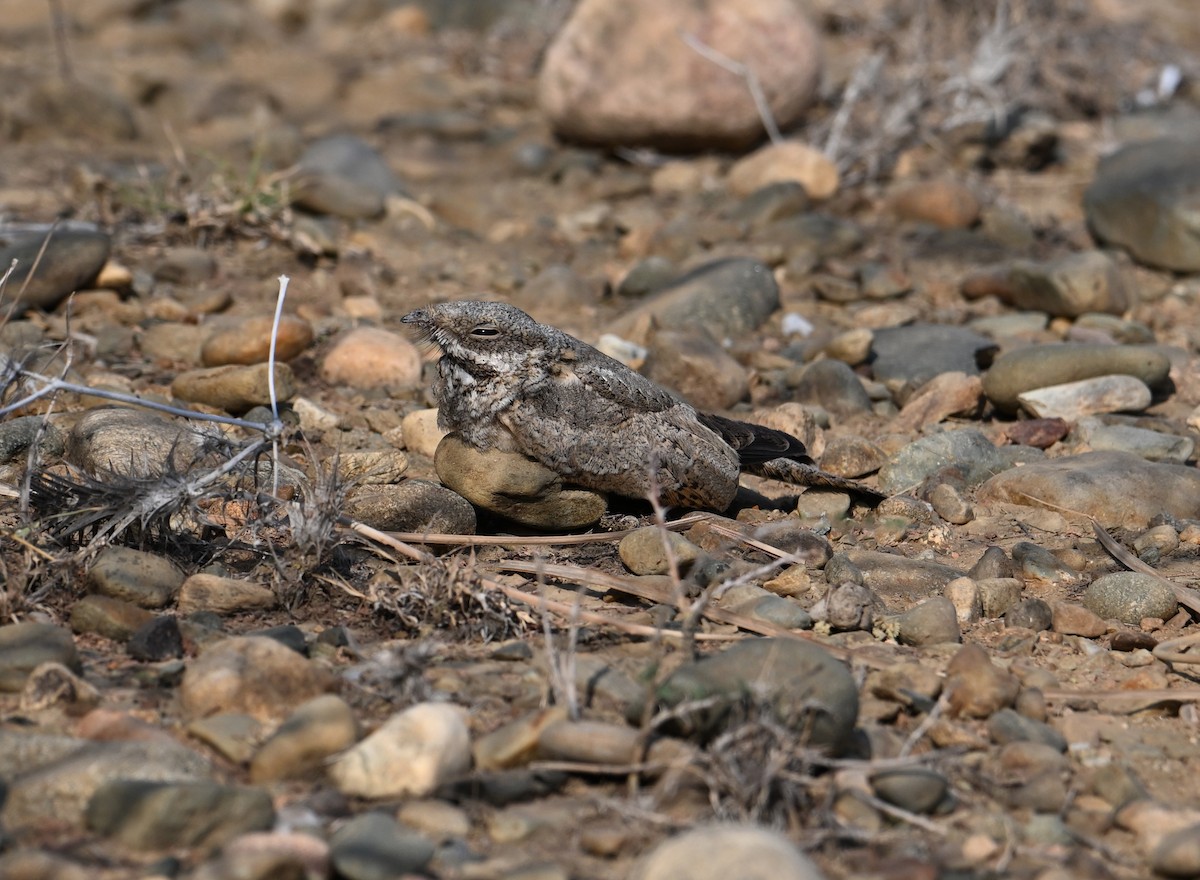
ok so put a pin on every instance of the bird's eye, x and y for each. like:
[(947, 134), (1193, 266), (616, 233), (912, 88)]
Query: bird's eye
[(485, 330)]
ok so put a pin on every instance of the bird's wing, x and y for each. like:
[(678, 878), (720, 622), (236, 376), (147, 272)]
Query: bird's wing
[(754, 443), (615, 382)]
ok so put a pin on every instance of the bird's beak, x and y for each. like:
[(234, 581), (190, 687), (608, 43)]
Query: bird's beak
[(420, 317)]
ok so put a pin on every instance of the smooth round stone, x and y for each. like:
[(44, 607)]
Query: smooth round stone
[(343, 175), (156, 640), (185, 265), (720, 852), (74, 255), (1034, 614), (374, 846), (754, 601), (513, 744), (369, 357), (1118, 489), (26, 646), (645, 551), (647, 276), (421, 432), (916, 789), (1035, 563), (516, 487), (933, 622), (831, 384), (618, 74), (249, 341), (145, 579), (949, 504), (148, 815), (1130, 596), (1008, 725), (994, 563), (1144, 198), (851, 456), (372, 466), (772, 202), (1039, 366), (556, 288), (1072, 401), (418, 506), (235, 389)]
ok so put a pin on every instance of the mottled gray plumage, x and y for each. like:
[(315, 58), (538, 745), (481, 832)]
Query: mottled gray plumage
[(508, 382)]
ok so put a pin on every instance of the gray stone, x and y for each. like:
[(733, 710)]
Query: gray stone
[(412, 506), (971, 455), (721, 852), (25, 646), (145, 579), (342, 175), (1144, 198), (831, 384), (889, 574), (1066, 286), (18, 434), (694, 365), (645, 551), (932, 622), (72, 258), (131, 442), (727, 297), (56, 783), (111, 618), (317, 730), (375, 846), (918, 352), (1177, 854), (149, 815), (753, 601), (1129, 596), (806, 687), (916, 789), (1039, 366), (1008, 725), (1142, 442), (1118, 489), (1034, 614)]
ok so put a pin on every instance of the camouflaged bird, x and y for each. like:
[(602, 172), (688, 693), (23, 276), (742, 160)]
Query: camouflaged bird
[(507, 382)]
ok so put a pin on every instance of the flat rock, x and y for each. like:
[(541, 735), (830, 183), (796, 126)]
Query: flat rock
[(649, 550), (728, 298), (146, 579), (251, 674), (1144, 199), (1142, 442), (113, 619), (941, 397), (807, 688), (1041, 365), (369, 357), (151, 815), (1118, 489), (411, 753), (719, 852), (1072, 401), (25, 646), (417, 506), (891, 575), (831, 384), (620, 74), (932, 622), (234, 389), (73, 257), (918, 352), (516, 487)]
